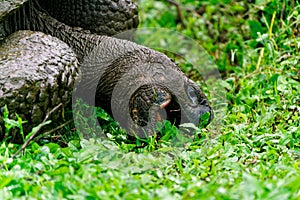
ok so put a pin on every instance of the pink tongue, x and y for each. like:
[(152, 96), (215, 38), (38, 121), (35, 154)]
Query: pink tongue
[(162, 106)]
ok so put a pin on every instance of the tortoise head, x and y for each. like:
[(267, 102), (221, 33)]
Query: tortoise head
[(139, 86), (156, 90)]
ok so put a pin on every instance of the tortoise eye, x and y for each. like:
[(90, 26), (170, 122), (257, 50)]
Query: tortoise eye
[(192, 94)]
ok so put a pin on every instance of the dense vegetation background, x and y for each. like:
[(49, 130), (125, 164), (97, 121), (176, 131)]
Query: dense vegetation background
[(255, 155)]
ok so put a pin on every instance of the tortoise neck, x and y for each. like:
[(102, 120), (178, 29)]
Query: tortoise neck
[(81, 41)]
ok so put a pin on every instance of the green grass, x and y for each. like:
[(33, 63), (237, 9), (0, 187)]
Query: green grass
[(254, 155)]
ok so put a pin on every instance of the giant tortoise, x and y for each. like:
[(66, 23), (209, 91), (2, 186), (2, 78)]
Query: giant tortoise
[(45, 43)]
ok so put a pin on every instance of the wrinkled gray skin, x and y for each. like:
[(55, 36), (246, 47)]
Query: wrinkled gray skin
[(117, 58)]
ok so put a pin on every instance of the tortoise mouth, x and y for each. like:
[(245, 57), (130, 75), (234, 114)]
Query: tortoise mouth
[(151, 104), (173, 111), (145, 110)]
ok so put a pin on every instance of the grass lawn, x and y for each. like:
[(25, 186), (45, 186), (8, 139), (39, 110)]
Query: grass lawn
[(251, 151)]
